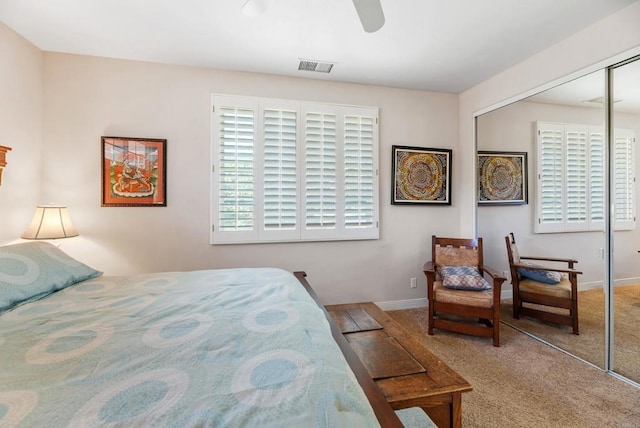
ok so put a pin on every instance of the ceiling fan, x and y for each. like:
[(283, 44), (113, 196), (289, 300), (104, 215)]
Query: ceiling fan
[(369, 11)]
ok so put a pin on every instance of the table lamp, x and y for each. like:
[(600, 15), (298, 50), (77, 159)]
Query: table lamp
[(50, 222)]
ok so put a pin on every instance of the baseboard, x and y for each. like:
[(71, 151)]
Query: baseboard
[(395, 305), (506, 294), (616, 283)]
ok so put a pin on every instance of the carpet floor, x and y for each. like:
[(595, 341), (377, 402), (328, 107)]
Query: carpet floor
[(525, 383), (590, 343)]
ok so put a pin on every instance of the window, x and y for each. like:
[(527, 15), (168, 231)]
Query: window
[(571, 178), (293, 171)]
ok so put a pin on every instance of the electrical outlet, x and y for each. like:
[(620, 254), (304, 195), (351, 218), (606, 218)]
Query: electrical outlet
[(505, 273), (413, 283)]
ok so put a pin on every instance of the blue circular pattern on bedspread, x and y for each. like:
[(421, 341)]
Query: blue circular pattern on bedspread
[(274, 374), (271, 317), (130, 401), (177, 331), (18, 269), (156, 282), (272, 378), (43, 352), (271, 320), (66, 344), (119, 408)]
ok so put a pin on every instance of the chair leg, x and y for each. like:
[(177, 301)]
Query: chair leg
[(574, 314), (432, 314), (496, 327)]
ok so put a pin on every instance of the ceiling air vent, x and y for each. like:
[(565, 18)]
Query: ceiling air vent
[(320, 67)]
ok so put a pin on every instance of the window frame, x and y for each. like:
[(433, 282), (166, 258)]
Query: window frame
[(593, 135), (301, 233)]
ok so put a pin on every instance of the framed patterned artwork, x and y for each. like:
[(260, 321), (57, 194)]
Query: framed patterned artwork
[(134, 172), (502, 178), (421, 176)]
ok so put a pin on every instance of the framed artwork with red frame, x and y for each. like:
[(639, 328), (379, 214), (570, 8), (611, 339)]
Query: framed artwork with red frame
[(134, 172)]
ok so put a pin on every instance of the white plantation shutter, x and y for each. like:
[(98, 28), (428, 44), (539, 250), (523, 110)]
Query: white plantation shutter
[(291, 171), (280, 186), (359, 171), (624, 179), (576, 176), (550, 177), (597, 177), (234, 192), (320, 170), (572, 178)]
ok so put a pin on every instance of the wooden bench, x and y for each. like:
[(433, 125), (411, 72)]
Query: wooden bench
[(408, 374)]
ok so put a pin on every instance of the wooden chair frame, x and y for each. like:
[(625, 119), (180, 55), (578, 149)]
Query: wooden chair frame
[(488, 317), (520, 297)]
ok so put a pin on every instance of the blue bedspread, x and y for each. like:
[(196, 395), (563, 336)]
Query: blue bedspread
[(217, 348)]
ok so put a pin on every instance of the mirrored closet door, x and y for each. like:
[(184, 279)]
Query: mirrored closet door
[(625, 307), (581, 204)]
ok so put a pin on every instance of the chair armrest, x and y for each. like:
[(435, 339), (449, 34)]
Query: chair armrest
[(549, 259), (497, 280), (492, 273), (562, 270), (429, 267)]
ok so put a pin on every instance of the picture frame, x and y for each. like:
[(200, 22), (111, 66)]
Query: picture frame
[(502, 178), (420, 176), (134, 172)]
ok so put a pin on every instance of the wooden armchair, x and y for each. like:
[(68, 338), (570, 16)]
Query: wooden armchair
[(482, 305), (562, 295)]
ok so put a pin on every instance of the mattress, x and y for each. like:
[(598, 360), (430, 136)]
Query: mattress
[(211, 348)]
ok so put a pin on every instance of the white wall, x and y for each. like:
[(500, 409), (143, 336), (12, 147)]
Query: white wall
[(88, 97), (512, 128), (20, 129)]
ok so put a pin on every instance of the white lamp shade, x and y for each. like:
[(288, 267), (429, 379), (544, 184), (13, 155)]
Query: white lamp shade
[(50, 222)]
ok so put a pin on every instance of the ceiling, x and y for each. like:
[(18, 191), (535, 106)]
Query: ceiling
[(437, 45), (589, 90)]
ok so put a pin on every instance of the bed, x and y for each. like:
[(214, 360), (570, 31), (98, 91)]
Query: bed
[(220, 348)]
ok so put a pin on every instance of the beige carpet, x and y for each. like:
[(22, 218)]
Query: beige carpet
[(525, 383), (589, 345)]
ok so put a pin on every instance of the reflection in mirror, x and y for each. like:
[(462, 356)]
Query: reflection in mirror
[(562, 132), (626, 240)]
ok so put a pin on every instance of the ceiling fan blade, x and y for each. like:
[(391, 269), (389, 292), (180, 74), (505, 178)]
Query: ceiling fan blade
[(255, 7), (370, 13)]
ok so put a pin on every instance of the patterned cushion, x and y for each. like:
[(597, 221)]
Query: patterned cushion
[(35, 269), (463, 278), (545, 276)]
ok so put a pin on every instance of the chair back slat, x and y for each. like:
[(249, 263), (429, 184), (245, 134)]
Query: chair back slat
[(457, 251), (514, 255), (456, 256)]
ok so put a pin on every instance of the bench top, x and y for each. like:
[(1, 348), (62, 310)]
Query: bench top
[(408, 374)]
